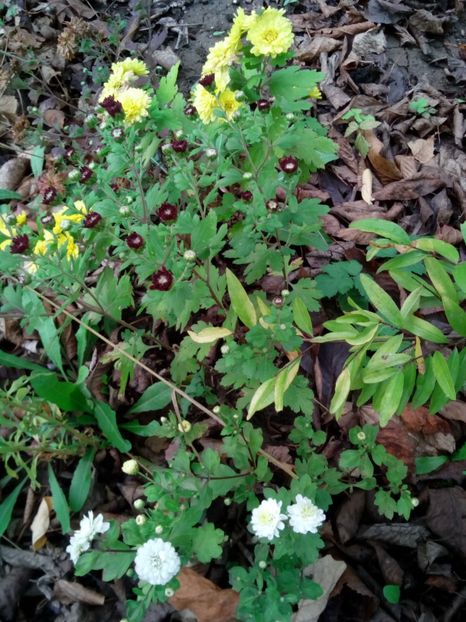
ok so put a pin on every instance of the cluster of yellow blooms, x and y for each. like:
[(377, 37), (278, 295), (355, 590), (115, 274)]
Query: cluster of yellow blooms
[(135, 102), (270, 34), (59, 235)]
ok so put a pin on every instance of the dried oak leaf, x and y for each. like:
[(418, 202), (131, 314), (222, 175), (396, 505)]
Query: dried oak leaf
[(447, 516), (386, 170), (418, 186), (316, 46), (208, 602)]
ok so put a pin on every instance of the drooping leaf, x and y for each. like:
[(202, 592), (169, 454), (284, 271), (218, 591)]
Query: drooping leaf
[(81, 481), (60, 505), (381, 301), (240, 301), (443, 375), (383, 228)]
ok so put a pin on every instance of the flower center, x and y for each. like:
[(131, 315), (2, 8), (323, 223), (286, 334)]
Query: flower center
[(270, 35), (268, 518), (156, 561)]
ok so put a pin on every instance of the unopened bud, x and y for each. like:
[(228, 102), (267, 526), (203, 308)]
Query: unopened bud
[(414, 502), (141, 519), (169, 592), (211, 153), (139, 505), (130, 467), (189, 255), (216, 409), (247, 175), (361, 436), (184, 426), (124, 210), (225, 348), (159, 530), (262, 564), (285, 292)]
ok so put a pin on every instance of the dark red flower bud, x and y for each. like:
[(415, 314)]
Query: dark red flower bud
[(86, 174), (207, 80), (134, 240), (92, 219), (115, 186), (246, 195), (112, 106), (180, 146), (288, 164), (162, 280), (19, 244), (167, 212), (49, 195), (263, 104), (190, 110)]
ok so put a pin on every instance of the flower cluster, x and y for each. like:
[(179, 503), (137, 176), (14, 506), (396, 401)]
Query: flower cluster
[(268, 33), (81, 540), (304, 516), (118, 95)]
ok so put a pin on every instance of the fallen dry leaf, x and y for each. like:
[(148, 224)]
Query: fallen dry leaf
[(455, 411), (208, 602), (12, 172), (316, 47), (386, 170), (447, 517), (68, 592), (41, 523), (366, 187), (408, 189), (422, 149)]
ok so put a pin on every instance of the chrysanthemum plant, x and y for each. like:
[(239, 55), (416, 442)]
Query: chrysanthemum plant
[(178, 213)]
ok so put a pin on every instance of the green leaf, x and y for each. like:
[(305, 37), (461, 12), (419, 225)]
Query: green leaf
[(350, 459), (207, 543), (443, 375), (384, 228), (209, 334), (392, 593), (10, 360), (8, 505), (37, 160), (423, 329), (392, 396), (60, 504), (402, 261), (263, 397), (113, 563), (439, 247), (381, 301), (427, 464), (240, 302), (441, 279), (155, 397), (455, 315), (81, 481), (9, 195), (167, 87), (342, 389), (283, 381), (106, 420), (301, 316), (66, 395), (411, 304)]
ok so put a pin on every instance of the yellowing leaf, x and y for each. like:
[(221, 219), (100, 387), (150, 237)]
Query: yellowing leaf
[(342, 389), (283, 381), (240, 302), (209, 334), (263, 397)]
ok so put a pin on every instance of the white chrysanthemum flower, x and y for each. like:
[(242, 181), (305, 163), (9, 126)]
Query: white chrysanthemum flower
[(89, 526), (77, 545), (305, 516), (267, 519), (157, 562)]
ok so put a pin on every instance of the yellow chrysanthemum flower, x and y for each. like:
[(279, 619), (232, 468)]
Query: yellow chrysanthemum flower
[(135, 104), (205, 104), (131, 65), (271, 33), (219, 58), (228, 103), (241, 24), (30, 266), (41, 247), (7, 231), (315, 93), (21, 218), (72, 249), (62, 219)]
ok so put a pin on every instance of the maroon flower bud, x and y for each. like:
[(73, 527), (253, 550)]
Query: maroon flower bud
[(167, 212), (162, 280), (49, 195), (278, 301), (180, 146), (246, 195), (134, 240), (112, 106), (86, 174), (190, 110), (288, 164), (263, 104), (272, 205), (92, 219), (115, 186), (19, 244), (207, 80)]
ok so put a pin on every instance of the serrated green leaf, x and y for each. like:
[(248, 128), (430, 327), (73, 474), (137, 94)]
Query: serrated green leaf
[(381, 301), (240, 301)]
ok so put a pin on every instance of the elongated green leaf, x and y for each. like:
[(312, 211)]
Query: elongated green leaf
[(81, 482), (443, 375), (365, 336), (441, 279), (155, 397), (392, 396), (439, 247), (402, 261), (9, 195), (427, 464), (283, 381), (8, 505), (459, 274), (10, 360), (301, 316), (455, 315), (411, 304), (381, 301), (106, 420), (60, 504), (240, 302), (423, 329), (37, 160), (384, 228), (263, 397), (342, 389)]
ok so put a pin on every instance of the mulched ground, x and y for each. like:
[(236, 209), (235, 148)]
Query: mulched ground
[(379, 56)]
